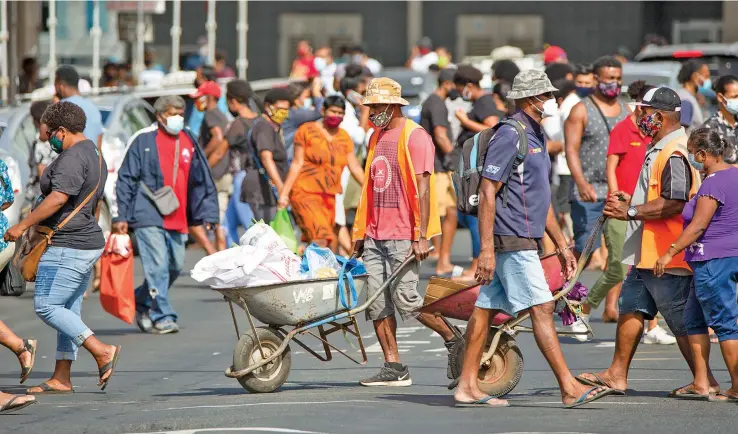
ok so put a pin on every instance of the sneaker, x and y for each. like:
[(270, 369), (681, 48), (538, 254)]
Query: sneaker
[(452, 355), (389, 376), (144, 322), (580, 327), (165, 327), (657, 335)]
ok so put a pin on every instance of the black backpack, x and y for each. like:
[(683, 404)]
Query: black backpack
[(468, 174), (11, 281)]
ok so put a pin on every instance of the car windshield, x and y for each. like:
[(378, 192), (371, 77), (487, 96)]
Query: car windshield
[(719, 65), (653, 80)]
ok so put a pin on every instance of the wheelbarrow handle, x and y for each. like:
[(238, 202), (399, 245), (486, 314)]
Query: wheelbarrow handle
[(385, 285)]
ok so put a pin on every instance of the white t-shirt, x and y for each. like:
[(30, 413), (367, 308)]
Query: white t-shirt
[(422, 63), (562, 168)]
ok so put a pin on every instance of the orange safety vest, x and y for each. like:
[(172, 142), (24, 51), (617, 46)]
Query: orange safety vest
[(410, 185), (659, 235)]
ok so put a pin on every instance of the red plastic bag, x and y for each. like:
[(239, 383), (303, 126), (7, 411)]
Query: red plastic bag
[(116, 283)]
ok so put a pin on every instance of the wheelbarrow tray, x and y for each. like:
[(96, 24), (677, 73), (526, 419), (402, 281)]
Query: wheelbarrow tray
[(294, 303), (453, 299)]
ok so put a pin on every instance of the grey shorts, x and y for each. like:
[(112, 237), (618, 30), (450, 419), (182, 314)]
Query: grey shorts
[(645, 293), (380, 259)]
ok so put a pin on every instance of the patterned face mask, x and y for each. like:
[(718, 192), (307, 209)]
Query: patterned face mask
[(381, 120), (651, 124), (610, 90), (278, 115)]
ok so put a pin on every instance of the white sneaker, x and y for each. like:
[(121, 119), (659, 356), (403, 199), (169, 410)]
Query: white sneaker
[(580, 327), (657, 335)]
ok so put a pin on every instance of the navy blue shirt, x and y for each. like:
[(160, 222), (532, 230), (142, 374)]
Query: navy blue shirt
[(529, 192)]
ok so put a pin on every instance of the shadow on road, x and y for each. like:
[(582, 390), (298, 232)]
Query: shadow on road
[(429, 400)]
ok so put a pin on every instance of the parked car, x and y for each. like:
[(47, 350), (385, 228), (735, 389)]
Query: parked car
[(416, 86), (122, 116), (17, 136), (653, 73), (721, 58)]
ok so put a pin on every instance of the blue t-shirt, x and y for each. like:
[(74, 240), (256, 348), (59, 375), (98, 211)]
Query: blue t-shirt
[(529, 192), (94, 126)]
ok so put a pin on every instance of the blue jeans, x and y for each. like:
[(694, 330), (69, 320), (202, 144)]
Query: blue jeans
[(645, 293), (238, 213), (61, 281), (162, 256), (712, 299), (584, 215), (472, 223)]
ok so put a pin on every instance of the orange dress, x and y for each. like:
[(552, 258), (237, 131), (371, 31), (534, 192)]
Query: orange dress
[(313, 196)]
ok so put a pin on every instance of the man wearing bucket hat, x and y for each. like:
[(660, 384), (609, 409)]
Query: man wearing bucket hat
[(511, 274), (396, 216)]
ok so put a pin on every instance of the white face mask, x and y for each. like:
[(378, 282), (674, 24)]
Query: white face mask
[(550, 108), (174, 124)]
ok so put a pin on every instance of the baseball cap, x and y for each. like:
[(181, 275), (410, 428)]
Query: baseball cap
[(210, 88), (662, 98), (553, 53)]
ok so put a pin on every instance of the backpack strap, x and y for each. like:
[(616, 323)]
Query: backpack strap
[(520, 157)]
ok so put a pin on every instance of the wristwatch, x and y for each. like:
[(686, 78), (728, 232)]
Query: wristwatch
[(632, 213)]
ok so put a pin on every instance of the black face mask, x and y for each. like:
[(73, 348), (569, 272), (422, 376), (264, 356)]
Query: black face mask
[(233, 113), (453, 94)]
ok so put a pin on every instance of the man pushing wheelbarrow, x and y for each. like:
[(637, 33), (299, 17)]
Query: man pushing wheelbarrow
[(514, 210)]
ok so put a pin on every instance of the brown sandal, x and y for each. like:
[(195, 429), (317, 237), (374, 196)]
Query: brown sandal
[(29, 345)]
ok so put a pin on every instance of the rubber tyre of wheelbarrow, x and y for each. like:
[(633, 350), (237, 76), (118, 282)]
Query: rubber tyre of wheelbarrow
[(247, 345), (508, 353)]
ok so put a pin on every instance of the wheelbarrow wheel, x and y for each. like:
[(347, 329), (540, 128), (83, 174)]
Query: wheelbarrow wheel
[(502, 373), (273, 375)]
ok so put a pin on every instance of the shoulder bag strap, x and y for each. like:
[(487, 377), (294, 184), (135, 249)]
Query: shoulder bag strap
[(176, 162), (261, 170), (604, 119), (84, 202), (520, 157)]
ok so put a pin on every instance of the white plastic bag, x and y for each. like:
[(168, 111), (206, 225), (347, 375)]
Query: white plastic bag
[(263, 237), (247, 266)]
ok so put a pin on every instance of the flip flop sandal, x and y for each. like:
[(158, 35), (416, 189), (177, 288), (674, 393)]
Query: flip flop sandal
[(480, 403), (108, 367), (456, 272), (691, 394), (10, 407), (47, 389), (723, 397), (586, 399), (29, 345), (599, 382), (689, 390)]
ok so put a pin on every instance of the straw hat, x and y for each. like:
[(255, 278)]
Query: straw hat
[(383, 90)]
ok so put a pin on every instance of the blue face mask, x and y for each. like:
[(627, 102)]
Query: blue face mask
[(696, 164), (174, 124), (308, 103), (584, 92), (707, 84), (731, 105)]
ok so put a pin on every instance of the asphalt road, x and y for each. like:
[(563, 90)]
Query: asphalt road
[(175, 383)]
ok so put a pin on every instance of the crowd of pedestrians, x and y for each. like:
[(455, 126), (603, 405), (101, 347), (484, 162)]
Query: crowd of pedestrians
[(337, 151)]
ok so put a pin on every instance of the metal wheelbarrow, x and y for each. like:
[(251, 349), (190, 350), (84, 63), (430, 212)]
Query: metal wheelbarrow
[(262, 359)]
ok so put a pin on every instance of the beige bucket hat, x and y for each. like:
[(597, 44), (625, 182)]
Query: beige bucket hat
[(383, 90)]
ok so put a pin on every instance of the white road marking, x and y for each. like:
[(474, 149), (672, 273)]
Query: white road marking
[(435, 350), (657, 359), (596, 402), (261, 429), (258, 404), (412, 342), (605, 345), (216, 354)]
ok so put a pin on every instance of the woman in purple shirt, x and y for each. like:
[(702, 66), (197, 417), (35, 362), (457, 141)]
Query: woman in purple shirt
[(710, 244)]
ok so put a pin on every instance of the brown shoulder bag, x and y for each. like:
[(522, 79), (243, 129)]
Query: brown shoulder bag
[(36, 239)]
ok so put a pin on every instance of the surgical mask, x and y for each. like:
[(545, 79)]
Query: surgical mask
[(174, 125), (549, 109), (332, 121), (707, 84), (696, 164), (649, 125), (278, 115), (610, 90), (453, 94), (584, 92), (320, 63), (381, 120), (307, 103), (57, 144), (354, 97), (466, 94), (731, 105)]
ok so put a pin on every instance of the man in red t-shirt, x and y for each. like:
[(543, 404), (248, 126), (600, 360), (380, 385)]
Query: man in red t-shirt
[(395, 218), (625, 155), (161, 157)]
